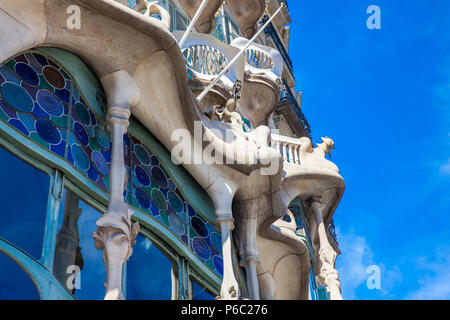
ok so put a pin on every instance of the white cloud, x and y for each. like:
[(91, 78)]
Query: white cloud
[(435, 277), (352, 263)]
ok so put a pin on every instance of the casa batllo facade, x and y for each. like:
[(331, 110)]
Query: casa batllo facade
[(95, 97)]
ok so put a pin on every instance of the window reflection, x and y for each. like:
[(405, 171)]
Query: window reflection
[(14, 282), (148, 273), (24, 199), (78, 264), (200, 293)]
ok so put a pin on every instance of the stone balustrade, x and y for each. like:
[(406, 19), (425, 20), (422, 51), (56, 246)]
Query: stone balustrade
[(288, 147), (261, 60), (206, 57)]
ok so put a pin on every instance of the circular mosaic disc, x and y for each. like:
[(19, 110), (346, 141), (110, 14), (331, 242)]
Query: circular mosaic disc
[(54, 77), (80, 157), (199, 227), (50, 103), (159, 200), (201, 248), (159, 177), (82, 113), (176, 223), (99, 162), (17, 97), (175, 202), (27, 74), (101, 137), (216, 241), (142, 155), (218, 263), (142, 198), (142, 176), (47, 131), (81, 133)]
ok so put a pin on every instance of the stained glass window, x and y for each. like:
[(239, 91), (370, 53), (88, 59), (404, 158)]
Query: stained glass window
[(205, 241), (78, 265), (89, 142), (24, 203), (40, 100), (149, 273), (154, 192), (34, 98)]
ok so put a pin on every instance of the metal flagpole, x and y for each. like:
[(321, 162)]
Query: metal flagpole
[(209, 87), (193, 22)]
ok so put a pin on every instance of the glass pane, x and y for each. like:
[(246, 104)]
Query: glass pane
[(200, 293), (148, 273), (78, 264), (24, 199), (14, 282)]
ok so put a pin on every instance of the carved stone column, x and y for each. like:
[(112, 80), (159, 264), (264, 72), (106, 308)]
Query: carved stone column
[(116, 234), (222, 193), (249, 255), (327, 256)]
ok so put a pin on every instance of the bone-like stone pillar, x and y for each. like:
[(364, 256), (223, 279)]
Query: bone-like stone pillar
[(116, 234), (222, 193), (249, 256), (327, 256)]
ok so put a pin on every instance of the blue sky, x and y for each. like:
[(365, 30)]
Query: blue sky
[(384, 97)]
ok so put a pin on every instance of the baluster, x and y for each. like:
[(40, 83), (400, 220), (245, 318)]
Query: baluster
[(197, 58), (291, 154), (284, 151), (294, 153)]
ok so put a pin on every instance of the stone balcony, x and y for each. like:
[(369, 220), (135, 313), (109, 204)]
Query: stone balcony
[(258, 70), (316, 181), (262, 81), (206, 57)]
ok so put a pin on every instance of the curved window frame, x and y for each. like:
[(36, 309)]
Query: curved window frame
[(64, 175)]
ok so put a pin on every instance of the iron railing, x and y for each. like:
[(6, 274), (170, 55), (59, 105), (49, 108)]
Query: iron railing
[(271, 32), (288, 95)]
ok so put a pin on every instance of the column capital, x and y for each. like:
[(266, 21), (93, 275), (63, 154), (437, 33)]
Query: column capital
[(224, 216), (118, 116)]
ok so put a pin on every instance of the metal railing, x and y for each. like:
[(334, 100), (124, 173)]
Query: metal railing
[(289, 96), (271, 32), (332, 230)]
